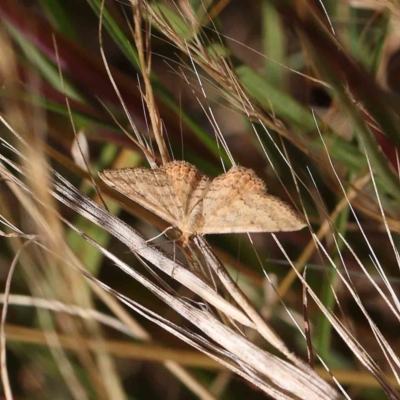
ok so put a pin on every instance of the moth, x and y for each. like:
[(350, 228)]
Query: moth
[(179, 193)]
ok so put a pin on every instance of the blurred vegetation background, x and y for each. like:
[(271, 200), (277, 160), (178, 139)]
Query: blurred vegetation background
[(314, 81)]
